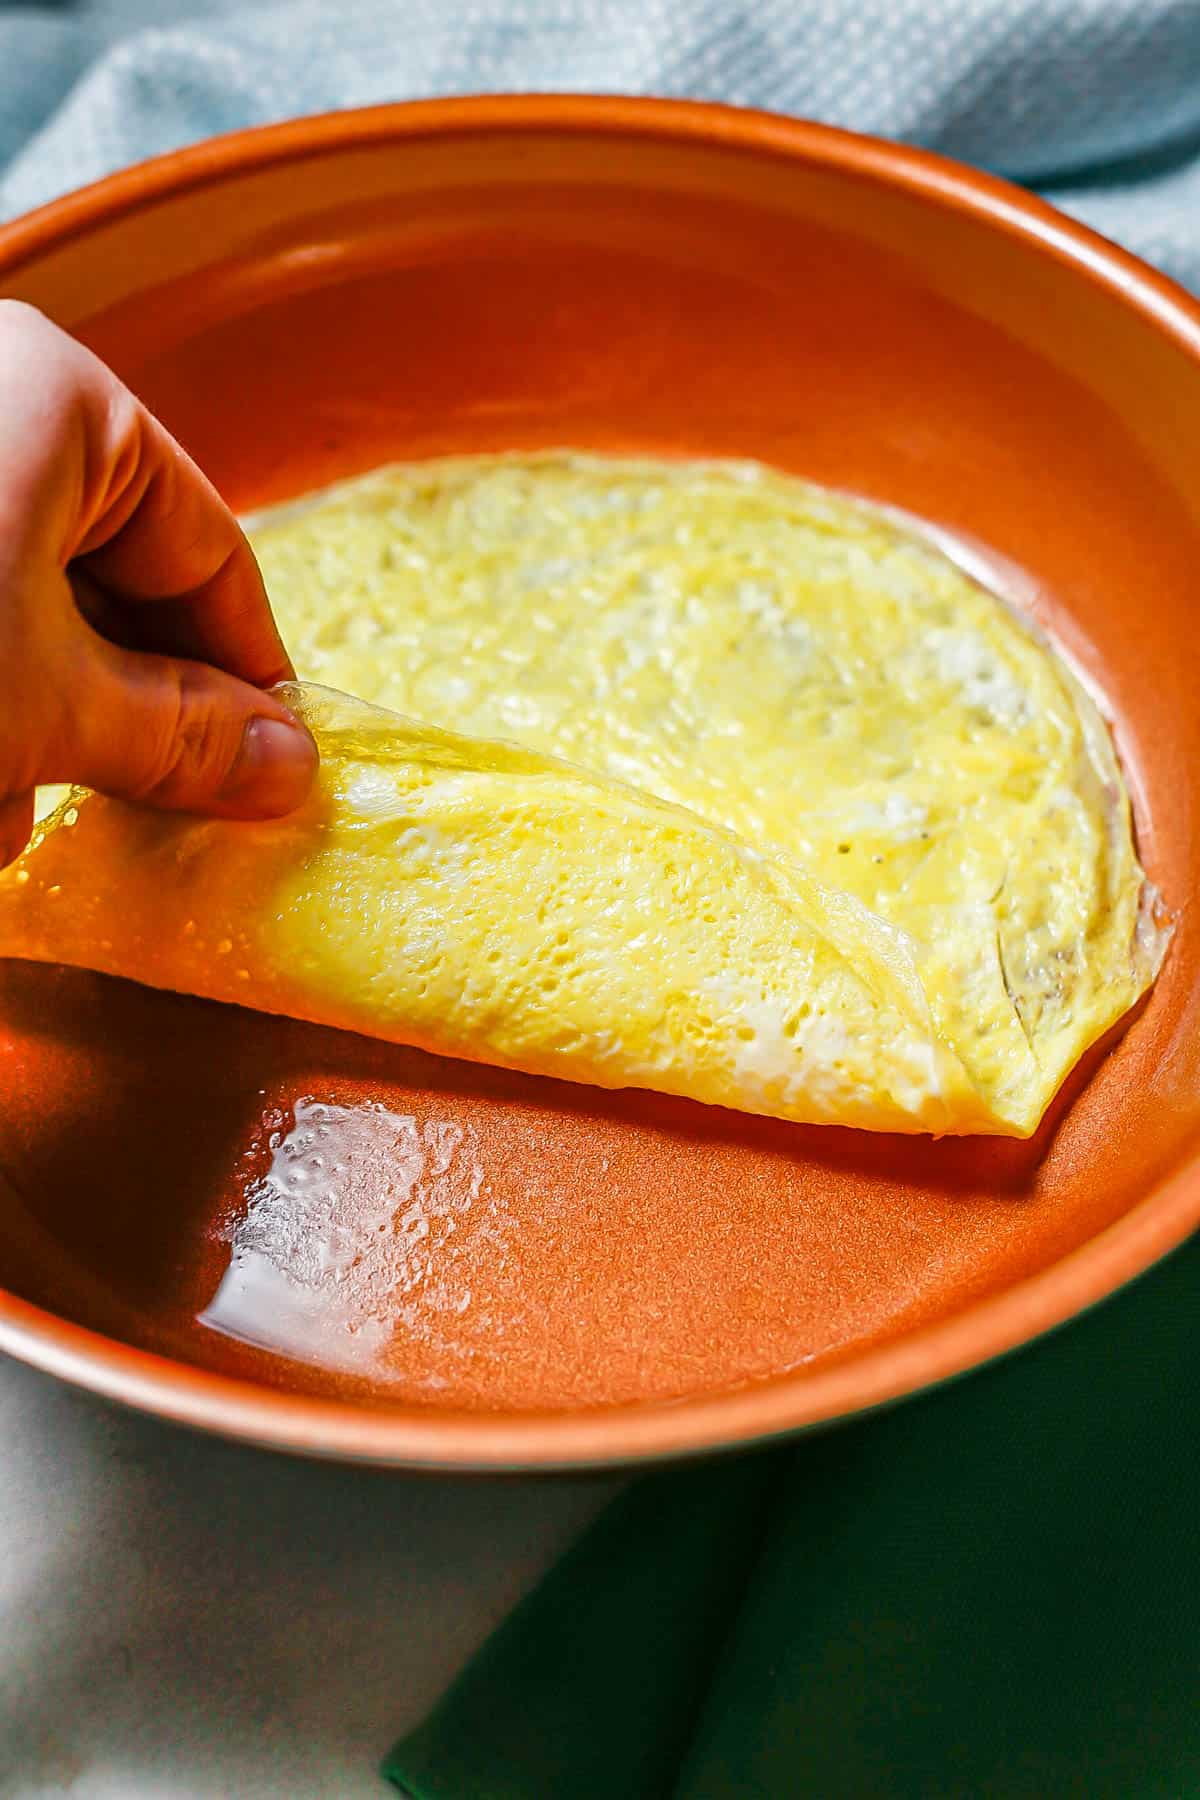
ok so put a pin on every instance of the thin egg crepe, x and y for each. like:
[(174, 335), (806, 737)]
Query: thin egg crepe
[(751, 797)]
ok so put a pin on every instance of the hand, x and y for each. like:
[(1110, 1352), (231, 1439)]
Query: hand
[(135, 633)]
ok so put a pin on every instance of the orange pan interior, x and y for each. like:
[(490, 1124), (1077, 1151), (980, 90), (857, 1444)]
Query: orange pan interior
[(613, 1277)]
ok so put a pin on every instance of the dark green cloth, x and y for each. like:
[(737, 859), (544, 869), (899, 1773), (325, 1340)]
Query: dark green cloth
[(603, 1669), (993, 1590)]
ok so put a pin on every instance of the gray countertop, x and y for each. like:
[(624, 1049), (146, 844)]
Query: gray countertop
[(185, 1619)]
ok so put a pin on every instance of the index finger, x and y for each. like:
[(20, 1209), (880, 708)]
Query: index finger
[(104, 485)]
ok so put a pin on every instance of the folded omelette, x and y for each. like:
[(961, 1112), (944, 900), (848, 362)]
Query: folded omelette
[(685, 777)]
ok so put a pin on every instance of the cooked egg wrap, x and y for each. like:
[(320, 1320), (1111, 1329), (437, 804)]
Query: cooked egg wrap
[(751, 796)]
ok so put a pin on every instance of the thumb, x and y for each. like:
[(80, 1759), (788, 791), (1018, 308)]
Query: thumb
[(185, 737)]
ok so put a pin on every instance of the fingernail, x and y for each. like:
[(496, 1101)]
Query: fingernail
[(274, 769)]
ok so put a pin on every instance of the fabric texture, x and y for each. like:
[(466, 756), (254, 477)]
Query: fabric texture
[(1095, 102), (992, 1590), (995, 1589), (594, 1685)]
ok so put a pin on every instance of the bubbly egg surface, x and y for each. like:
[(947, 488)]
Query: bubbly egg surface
[(783, 663), (682, 776)]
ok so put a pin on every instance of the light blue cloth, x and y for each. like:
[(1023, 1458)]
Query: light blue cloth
[(1096, 102)]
